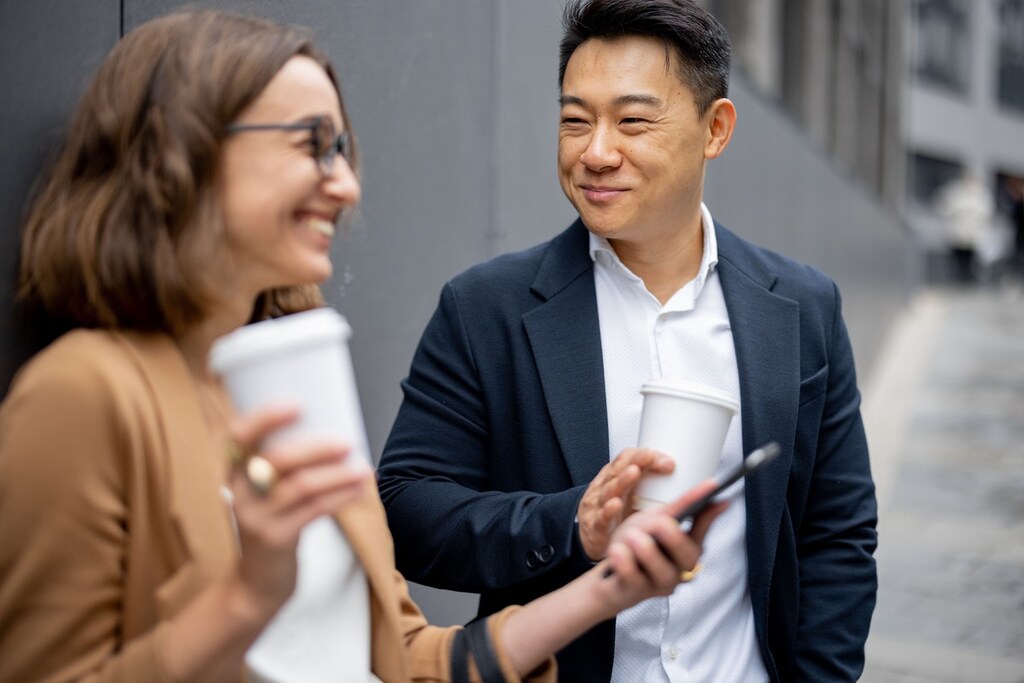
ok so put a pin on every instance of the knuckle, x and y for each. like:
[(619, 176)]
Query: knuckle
[(303, 485)]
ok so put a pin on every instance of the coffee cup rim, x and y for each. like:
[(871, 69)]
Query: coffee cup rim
[(269, 337), (692, 390)]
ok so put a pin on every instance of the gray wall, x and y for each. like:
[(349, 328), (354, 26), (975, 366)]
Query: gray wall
[(47, 51), (454, 102)]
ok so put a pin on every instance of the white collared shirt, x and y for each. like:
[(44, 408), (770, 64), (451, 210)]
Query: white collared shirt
[(704, 631)]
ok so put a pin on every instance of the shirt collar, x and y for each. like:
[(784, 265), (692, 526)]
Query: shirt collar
[(708, 260)]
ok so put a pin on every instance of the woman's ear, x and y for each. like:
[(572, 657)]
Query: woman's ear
[(721, 121)]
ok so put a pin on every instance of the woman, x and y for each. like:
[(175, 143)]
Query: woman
[(198, 189)]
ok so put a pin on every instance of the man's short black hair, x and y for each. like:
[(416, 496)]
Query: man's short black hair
[(697, 38)]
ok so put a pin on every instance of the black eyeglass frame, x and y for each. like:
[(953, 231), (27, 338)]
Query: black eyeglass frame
[(324, 155)]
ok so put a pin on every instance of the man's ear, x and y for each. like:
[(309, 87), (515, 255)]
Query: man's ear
[(721, 121)]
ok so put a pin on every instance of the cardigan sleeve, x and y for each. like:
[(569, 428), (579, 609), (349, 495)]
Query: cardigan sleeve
[(405, 646), (63, 518), (429, 647)]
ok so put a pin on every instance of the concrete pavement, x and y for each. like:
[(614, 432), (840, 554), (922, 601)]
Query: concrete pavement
[(944, 410)]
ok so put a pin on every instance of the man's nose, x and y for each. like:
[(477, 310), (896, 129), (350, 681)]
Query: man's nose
[(602, 150)]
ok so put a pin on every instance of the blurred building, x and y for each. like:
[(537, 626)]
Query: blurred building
[(837, 68), (817, 167), (964, 110)]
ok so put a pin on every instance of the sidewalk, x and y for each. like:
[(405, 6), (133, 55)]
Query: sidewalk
[(945, 418)]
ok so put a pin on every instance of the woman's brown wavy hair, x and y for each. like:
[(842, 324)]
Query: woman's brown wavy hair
[(122, 231)]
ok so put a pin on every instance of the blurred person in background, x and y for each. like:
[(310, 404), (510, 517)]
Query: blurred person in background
[(1015, 188), (967, 208)]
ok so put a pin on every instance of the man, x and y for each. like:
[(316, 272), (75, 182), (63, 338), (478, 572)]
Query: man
[(526, 382)]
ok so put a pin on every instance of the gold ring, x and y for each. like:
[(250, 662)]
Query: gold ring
[(261, 474), (236, 454), (690, 574)]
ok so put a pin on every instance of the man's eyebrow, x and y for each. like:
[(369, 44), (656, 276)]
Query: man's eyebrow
[(649, 100)]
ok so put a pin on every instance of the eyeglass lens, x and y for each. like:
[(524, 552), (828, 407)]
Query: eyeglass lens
[(328, 145)]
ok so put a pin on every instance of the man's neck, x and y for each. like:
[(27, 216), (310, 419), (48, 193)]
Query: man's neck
[(667, 262)]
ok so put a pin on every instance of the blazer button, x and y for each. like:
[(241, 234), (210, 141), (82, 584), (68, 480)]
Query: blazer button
[(532, 559), (545, 554)]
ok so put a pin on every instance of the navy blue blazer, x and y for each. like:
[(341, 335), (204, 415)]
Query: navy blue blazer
[(504, 423)]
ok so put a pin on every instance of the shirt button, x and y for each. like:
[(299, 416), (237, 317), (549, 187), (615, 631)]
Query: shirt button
[(673, 653)]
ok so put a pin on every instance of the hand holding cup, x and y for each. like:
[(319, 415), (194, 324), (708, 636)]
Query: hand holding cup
[(605, 503), (301, 359), (313, 478), (688, 422)]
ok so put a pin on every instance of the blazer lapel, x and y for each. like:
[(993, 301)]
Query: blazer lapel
[(565, 337), (766, 334)]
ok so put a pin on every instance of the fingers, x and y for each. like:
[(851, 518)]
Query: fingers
[(308, 475), (249, 430), (680, 548), (316, 478), (629, 467), (602, 508), (645, 459), (307, 478), (298, 469), (615, 486), (605, 503), (703, 522), (681, 503), (660, 562)]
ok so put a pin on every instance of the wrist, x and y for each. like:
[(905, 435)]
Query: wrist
[(601, 594), (246, 606), (581, 545)]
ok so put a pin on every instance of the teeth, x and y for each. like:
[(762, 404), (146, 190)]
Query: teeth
[(324, 227)]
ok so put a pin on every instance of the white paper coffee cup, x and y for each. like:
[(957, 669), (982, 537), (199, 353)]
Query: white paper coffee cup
[(301, 359), (688, 422)]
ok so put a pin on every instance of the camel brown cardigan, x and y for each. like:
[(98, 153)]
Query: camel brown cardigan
[(111, 521)]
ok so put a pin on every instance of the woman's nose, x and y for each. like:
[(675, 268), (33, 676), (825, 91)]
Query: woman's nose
[(342, 185)]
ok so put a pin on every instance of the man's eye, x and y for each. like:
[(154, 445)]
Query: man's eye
[(571, 121), (629, 120)]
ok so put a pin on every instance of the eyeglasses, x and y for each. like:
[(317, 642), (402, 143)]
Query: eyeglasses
[(326, 145)]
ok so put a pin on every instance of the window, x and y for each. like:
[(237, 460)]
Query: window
[(1010, 79), (942, 48), (928, 174)]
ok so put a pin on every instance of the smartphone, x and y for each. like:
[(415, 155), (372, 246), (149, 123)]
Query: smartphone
[(758, 458)]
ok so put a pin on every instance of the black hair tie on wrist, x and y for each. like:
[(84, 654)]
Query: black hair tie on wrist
[(460, 665), (478, 639)]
